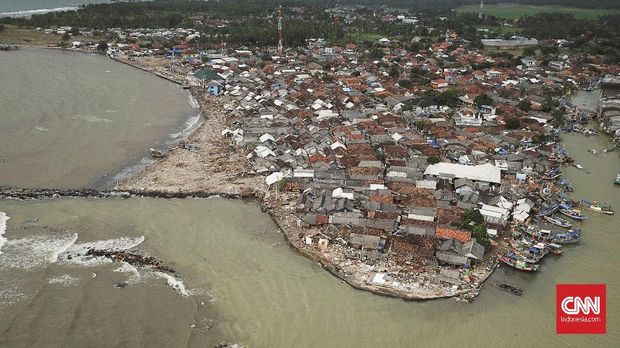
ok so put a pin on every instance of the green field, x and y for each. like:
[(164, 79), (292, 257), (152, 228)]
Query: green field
[(514, 11)]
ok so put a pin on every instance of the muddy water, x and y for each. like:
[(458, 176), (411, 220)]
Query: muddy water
[(73, 120)]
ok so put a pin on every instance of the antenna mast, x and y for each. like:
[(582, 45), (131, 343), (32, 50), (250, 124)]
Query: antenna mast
[(280, 46)]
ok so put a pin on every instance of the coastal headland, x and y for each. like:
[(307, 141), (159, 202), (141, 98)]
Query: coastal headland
[(208, 164), (416, 188)]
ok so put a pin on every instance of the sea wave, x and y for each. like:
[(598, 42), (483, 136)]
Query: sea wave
[(3, 219), (174, 283), (11, 293), (76, 253), (192, 101), (56, 253), (63, 279), (92, 118), (28, 13), (190, 125), (128, 268), (37, 251)]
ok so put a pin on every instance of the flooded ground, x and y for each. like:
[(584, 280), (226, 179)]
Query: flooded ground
[(74, 120)]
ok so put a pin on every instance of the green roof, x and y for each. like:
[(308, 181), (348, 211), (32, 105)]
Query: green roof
[(207, 74)]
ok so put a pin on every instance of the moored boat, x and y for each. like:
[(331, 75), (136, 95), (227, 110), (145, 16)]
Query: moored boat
[(547, 236), (555, 249), (547, 210), (511, 260), (509, 288), (617, 181), (573, 214), (594, 206), (570, 237), (565, 184), (558, 221), (552, 174)]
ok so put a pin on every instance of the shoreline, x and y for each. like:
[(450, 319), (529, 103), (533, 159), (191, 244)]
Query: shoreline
[(169, 142), (216, 168), (173, 138), (219, 170)]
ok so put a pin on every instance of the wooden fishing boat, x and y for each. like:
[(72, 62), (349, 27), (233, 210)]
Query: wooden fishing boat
[(509, 288), (512, 261), (565, 184), (558, 221), (530, 250), (573, 214), (547, 210), (555, 249), (570, 237), (551, 174)]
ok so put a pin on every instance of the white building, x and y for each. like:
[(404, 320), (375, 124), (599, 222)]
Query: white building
[(494, 215), (487, 173)]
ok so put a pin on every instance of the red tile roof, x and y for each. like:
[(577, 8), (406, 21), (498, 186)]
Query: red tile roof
[(449, 233)]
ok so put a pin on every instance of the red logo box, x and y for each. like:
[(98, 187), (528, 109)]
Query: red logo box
[(580, 309)]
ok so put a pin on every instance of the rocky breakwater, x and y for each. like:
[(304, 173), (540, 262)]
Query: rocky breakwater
[(26, 194), (131, 257)]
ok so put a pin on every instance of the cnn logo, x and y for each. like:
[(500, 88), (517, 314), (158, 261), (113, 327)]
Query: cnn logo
[(575, 305), (580, 309)]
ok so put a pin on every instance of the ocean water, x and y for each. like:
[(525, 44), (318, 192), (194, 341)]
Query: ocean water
[(12, 7), (70, 119)]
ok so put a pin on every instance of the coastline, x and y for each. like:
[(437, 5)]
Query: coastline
[(189, 125), (214, 167), (218, 169)]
